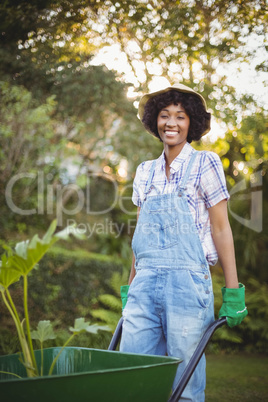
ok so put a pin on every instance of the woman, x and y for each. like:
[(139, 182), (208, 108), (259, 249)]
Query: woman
[(182, 228)]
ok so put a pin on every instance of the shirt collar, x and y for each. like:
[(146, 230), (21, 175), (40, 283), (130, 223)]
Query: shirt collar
[(186, 151)]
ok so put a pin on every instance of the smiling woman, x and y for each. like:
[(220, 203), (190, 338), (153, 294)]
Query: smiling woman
[(182, 228)]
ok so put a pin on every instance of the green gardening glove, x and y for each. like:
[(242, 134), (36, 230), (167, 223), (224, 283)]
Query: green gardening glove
[(233, 306), (124, 292)]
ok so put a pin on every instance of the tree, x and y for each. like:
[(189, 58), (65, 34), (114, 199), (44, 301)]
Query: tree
[(183, 39), (50, 55), (28, 144)]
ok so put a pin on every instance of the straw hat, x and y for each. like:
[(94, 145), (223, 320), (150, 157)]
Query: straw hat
[(178, 87)]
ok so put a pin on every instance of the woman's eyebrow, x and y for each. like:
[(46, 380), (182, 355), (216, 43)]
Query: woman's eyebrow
[(177, 111)]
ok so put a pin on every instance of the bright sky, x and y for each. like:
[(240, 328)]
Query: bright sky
[(243, 76)]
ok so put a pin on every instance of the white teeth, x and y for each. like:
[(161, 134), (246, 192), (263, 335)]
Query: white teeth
[(171, 132)]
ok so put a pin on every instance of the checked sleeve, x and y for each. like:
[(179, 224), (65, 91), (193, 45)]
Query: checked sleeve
[(213, 183)]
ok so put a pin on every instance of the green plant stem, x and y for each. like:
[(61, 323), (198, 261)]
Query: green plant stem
[(14, 309), (60, 352), (42, 359), (28, 331), (7, 372), (16, 321), (25, 349)]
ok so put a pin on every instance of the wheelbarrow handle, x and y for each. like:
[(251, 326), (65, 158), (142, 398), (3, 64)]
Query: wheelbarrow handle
[(189, 369), (193, 362), (117, 335)]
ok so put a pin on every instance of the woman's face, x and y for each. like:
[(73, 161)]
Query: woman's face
[(173, 125)]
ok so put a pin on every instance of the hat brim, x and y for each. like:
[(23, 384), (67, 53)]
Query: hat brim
[(179, 88)]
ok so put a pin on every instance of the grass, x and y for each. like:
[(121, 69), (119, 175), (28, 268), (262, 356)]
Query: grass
[(237, 378)]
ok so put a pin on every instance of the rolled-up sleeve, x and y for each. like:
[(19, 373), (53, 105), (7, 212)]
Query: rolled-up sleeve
[(136, 198), (213, 182)]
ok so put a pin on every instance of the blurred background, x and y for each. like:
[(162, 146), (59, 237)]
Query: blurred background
[(71, 76)]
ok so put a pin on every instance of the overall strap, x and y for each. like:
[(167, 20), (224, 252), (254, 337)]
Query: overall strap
[(188, 170), (149, 181)]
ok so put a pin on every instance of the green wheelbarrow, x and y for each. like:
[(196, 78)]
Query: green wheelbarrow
[(189, 369), (83, 374)]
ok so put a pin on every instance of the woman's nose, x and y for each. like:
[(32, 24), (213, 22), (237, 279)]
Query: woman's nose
[(171, 122)]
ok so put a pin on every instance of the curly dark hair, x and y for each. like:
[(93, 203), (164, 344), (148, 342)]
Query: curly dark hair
[(192, 104)]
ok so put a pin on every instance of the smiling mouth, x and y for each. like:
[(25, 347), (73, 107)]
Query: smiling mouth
[(171, 133)]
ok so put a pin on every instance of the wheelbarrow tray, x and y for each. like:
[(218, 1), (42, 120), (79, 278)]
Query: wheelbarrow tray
[(84, 374)]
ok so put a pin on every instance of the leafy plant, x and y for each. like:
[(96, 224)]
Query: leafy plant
[(45, 332), (111, 311), (19, 263)]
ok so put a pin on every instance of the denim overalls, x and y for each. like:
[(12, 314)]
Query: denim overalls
[(170, 300)]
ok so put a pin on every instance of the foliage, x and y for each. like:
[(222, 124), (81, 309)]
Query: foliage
[(256, 331), (45, 332), (19, 263), (39, 153), (59, 44), (79, 326), (66, 285), (205, 34), (27, 131), (244, 153), (53, 55), (29, 148), (111, 304), (74, 279)]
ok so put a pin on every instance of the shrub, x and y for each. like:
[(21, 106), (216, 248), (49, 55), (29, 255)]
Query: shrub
[(252, 334)]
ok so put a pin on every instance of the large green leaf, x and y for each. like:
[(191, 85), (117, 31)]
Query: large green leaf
[(28, 254), (21, 248), (7, 274), (66, 232), (94, 328), (80, 325), (44, 331)]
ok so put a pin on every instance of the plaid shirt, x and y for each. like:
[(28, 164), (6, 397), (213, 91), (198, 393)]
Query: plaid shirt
[(206, 187)]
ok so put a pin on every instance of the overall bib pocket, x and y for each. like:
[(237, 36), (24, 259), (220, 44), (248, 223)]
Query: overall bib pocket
[(163, 236)]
